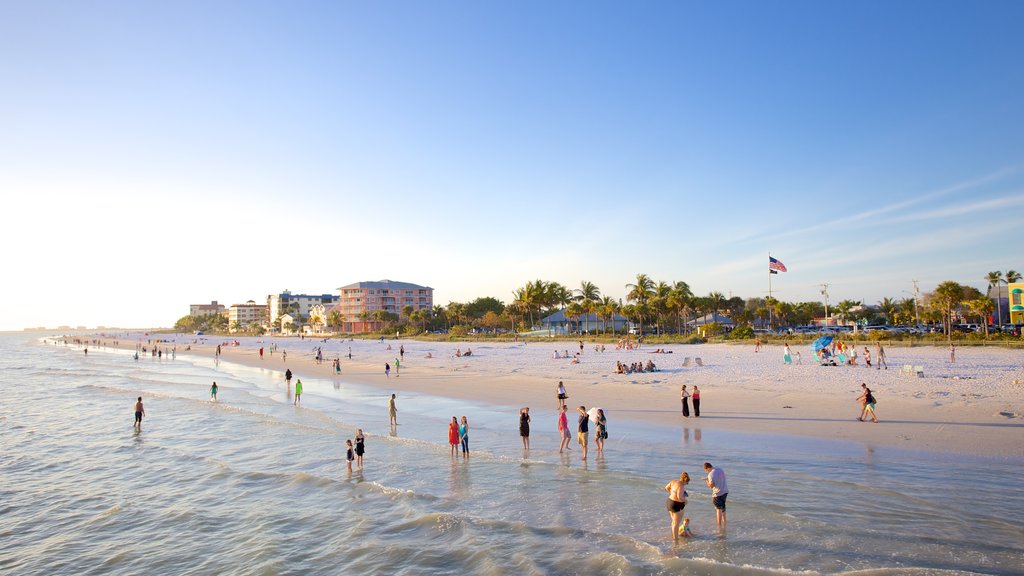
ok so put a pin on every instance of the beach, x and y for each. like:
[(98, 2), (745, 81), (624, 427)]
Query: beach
[(970, 406), (253, 483)]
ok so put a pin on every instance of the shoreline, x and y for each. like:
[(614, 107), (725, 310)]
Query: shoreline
[(969, 407)]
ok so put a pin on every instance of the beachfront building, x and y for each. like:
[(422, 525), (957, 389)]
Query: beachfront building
[(359, 301), (206, 309), (559, 323), (244, 316), (298, 305), (1016, 292)]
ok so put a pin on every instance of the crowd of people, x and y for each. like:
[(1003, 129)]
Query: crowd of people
[(621, 368)]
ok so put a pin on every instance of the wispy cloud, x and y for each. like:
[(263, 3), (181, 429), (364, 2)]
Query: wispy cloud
[(871, 216)]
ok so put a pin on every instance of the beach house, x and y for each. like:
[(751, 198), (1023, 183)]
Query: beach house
[(360, 300)]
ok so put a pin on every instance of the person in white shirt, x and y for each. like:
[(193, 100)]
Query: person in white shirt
[(719, 491)]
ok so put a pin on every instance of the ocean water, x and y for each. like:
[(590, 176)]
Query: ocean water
[(254, 485)]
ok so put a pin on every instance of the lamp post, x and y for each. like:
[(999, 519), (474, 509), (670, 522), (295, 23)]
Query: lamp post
[(824, 292), (917, 316)]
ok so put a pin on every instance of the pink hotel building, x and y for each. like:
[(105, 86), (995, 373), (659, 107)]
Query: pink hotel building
[(384, 295)]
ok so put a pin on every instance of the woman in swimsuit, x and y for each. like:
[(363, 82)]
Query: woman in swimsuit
[(561, 394), (524, 427), (464, 437), (360, 447), (676, 502), (602, 430)]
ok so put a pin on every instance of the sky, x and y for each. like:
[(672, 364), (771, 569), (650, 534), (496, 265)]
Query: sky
[(155, 155)]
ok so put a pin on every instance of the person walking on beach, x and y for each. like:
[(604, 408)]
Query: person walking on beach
[(602, 431), (284, 355), (563, 429), (787, 357), (453, 435), (401, 352), (880, 357), (288, 377), (524, 427), (387, 370), (393, 411), (464, 437), (298, 391), (696, 401), (213, 392), (676, 502), (867, 403), (867, 357), (952, 353), (360, 447), (398, 369), (261, 352), (583, 430), (719, 491), (684, 397), (139, 413), (561, 394), (757, 344)]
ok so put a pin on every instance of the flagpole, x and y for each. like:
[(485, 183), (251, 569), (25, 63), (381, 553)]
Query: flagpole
[(770, 321)]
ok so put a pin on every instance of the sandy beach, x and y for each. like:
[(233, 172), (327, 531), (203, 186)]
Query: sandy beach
[(970, 406)]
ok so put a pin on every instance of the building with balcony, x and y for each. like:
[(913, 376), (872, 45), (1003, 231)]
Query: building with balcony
[(297, 304), (386, 295), (245, 315)]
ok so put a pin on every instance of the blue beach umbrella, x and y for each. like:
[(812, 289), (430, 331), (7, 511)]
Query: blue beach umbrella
[(821, 343)]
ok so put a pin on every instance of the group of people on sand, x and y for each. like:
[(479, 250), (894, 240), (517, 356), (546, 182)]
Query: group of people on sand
[(678, 498), (621, 368), (839, 354), (564, 431)]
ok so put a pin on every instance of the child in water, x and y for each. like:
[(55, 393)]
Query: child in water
[(684, 530), (349, 455)]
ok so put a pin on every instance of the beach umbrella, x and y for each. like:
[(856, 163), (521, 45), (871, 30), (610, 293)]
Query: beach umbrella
[(592, 413), (821, 343)]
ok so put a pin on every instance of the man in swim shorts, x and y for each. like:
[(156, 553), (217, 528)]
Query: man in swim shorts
[(719, 491), (139, 413)]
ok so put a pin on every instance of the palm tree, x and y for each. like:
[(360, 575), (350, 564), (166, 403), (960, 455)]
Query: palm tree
[(587, 294), (982, 307), (680, 298), (948, 296), (844, 307), (574, 310), (887, 306), (607, 308), (994, 279), (640, 293), (1012, 277), (715, 300)]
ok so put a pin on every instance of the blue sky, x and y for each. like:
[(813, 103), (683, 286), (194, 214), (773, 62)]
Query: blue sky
[(155, 155)]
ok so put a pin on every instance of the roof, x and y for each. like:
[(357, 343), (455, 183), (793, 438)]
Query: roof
[(389, 284)]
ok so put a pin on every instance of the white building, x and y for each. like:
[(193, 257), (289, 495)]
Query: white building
[(278, 304)]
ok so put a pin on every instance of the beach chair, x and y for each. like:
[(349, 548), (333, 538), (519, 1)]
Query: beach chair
[(919, 371), (686, 362), (907, 370), (697, 361)]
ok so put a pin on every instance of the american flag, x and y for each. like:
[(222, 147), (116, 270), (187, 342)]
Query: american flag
[(776, 266)]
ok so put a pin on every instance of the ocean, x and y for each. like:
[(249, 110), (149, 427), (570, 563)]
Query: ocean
[(252, 484)]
